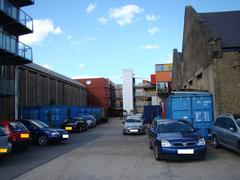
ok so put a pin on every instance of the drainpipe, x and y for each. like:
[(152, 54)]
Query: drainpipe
[(16, 92)]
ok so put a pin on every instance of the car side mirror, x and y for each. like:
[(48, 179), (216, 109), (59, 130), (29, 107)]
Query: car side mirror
[(232, 129), (123, 122)]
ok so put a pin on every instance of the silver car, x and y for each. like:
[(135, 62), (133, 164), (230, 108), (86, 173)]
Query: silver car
[(226, 132), (133, 126), (5, 146)]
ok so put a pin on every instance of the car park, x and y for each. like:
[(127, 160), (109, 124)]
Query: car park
[(226, 131), (74, 125), (173, 139), (43, 134), (133, 126), (91, 121), (18, 134), (5, 145)]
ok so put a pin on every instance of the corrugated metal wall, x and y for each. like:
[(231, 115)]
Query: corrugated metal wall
[(39, 89)]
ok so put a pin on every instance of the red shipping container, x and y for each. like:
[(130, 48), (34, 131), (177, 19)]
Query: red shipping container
[(153, 79)]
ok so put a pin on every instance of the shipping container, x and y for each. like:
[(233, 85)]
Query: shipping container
[(150, 112), (55, 115), (195, 107)]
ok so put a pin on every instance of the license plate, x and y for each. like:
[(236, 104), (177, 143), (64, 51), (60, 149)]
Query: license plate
[(3, 150), (133, 130), (24, 135), (68, 128), (65, 136), (185, 151)]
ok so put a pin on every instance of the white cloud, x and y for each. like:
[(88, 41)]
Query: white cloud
[(102, 20), (90, 8), (150, 46), (47, 66), (151, 17), (81, 66), (153, 30), (125, 14), (42, 28), (85, 77), (69, 37), (82, 41)]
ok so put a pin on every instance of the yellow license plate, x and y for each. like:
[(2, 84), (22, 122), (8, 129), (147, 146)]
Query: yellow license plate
[(68, 128), (3, 150), (24, 135)]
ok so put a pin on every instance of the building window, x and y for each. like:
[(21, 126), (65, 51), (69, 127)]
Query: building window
[(199, 76)]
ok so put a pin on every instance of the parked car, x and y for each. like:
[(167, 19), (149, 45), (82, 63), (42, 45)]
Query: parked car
[(226, 131), (173, 139), (18, 134), (5, 145), (75, 124), (91, 121), (43, 134), (133, 126)]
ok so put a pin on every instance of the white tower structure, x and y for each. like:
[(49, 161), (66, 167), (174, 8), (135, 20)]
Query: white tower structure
[(128, 90)]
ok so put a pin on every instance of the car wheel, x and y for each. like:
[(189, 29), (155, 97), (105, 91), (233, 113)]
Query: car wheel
[(79, 129), (156, 153), (150, 145), (42, 140), (215, 142)]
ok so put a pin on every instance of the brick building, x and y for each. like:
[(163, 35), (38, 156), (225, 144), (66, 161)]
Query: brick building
[(210, 58)]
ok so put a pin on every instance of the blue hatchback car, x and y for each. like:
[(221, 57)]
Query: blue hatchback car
[(43, 134), (172, 139)]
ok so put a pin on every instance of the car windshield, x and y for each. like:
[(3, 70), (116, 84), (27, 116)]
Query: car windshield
[(2, 132), (133, 121), (174, 127), (70, 120), (17, 126), (238, 122), (40, 124)]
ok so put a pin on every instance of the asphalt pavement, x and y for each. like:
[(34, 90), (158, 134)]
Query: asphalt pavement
[(107, 154), (115, 156), (21, 162)]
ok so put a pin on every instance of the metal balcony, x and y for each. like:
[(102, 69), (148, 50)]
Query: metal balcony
[(13, 51), (21, 3), (14, 20)]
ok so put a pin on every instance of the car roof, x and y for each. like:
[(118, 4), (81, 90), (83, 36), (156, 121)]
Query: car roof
[(168, 121)]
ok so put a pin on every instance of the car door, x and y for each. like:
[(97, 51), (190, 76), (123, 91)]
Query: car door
[(153, 133), (219, 129), (33, 129), (231, 134)]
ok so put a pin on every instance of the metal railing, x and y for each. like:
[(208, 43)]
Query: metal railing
[(12, 45), (16, 13)]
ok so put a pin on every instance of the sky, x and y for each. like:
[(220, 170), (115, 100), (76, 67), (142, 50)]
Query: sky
[(99, 38)]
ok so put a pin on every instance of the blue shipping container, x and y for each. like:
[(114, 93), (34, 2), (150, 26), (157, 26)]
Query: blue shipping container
[(150, 112), (195, 107), (55, 115)]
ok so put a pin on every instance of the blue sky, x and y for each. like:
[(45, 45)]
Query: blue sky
[(83, 38)]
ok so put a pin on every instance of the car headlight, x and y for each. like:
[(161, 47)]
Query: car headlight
[(201, 142), (165, 143), (55, 133)]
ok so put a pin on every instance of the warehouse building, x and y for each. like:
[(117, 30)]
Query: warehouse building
[(210, 58), (38, 86), (14, 22)]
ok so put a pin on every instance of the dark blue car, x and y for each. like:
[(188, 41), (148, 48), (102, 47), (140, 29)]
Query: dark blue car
[(172, 139), (43, 134)]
